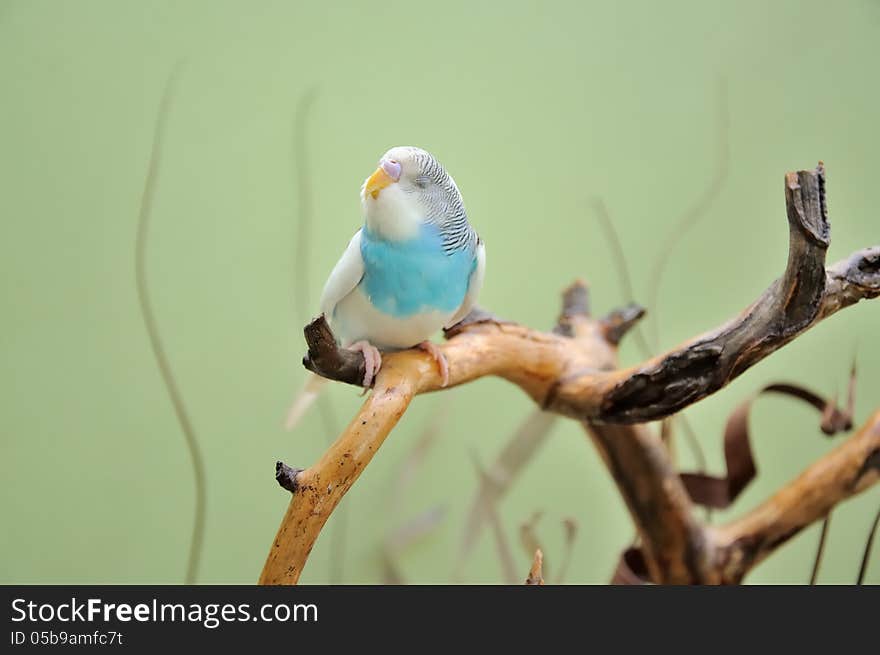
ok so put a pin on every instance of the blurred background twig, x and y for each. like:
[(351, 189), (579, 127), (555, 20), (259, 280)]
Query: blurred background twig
[(152, 327)]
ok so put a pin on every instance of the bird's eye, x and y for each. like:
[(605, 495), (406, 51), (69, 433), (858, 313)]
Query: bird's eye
[(422, 181)]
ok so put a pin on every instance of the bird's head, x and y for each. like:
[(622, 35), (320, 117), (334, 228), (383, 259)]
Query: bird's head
[(409, 188)]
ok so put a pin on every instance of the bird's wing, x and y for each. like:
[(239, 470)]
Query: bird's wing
[(474, 285), (344, 277)]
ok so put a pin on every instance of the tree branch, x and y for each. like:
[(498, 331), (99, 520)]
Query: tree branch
[(577, 378), (318, 489), (844, 472), (675, 546), (573, 372), (805, 294)]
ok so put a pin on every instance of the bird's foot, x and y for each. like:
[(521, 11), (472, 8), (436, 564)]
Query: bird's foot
[(372, 360), (440, 358)]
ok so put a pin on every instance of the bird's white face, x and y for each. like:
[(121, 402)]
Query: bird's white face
[(407, 188)]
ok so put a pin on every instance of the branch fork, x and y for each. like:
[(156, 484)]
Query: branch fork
[(572, 371)]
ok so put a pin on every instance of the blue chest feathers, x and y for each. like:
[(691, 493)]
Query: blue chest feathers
[(403, 278)]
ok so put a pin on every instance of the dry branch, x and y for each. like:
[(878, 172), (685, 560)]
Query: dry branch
[(536, 574), (673, 539), (318, 489), (721, 492), (572, 371), (490, 513), (847, 470), (578, 379)]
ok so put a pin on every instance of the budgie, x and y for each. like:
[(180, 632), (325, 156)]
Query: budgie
[(414, 267)]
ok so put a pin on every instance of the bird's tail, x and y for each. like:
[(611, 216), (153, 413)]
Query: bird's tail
[(304, 400)]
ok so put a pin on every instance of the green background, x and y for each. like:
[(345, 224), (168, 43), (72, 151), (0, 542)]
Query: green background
[(536, 108)]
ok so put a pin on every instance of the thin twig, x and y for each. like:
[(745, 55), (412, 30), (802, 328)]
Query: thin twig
[(696, 450), (621, 265), (694, 214), (570, 526), (505, 556), (403, 537), (528, 536), (619, 257), (406, 475), (149, 316), (693, 444), (409, 468), (495, 482), (536, 575), (820, 550), (866, 557)]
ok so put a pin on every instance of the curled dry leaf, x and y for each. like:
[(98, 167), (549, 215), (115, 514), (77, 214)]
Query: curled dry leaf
[(632, 569), (720, 493)]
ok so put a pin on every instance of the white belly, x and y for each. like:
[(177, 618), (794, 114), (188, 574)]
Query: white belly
[(356, 319)]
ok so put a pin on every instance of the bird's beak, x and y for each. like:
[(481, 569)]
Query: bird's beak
[(378, 181), (388, 173)]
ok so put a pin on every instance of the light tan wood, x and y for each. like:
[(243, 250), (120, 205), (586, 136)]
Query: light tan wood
[(573, 371), (844, 472), (536, 574)]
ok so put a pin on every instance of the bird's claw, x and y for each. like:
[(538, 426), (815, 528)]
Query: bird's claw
[(372, 360), (440, 358)]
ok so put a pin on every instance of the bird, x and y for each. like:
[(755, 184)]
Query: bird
[(415, 266)]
